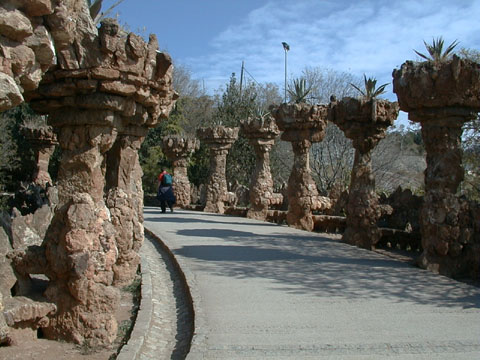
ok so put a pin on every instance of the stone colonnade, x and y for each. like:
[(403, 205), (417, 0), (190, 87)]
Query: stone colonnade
[(177, 149), (101, 100), (442, 97), (302, 124), (365, 123), (261, 134), (219, 139)]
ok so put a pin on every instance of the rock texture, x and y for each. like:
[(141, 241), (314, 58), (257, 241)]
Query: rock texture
[(125, 201), (442, 97), (261, 134), (302, 124), (26, 48), (219, 139), (177, 149), (365, 123)]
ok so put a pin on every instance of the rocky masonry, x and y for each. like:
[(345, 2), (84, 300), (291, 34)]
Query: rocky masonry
[(365, 123), (302, 124), (442, 96), (106, 89), (26, 45), (177, 149), (261, 133), (219, 139)]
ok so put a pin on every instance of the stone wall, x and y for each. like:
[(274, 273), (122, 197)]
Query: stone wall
[(102, 89)]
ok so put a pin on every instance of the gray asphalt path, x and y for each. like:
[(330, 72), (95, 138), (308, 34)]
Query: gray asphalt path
[(263, 291)]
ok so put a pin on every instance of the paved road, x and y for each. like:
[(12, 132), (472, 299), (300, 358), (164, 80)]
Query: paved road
[(263, 291)]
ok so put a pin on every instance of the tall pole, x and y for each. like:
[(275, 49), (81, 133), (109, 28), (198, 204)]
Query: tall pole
[(241, 78), (285, 76), (286, 47)]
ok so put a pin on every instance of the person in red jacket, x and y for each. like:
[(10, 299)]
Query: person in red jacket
[(165, 191)]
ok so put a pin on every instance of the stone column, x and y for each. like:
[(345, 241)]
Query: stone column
[(177, 149), (80, 244), (43, 141), (261, 134), (442, 97), (302, 124), (219, 139), (365, 123), (100, 99), (125, 201)]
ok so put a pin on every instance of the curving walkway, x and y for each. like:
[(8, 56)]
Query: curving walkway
[(263, 291)]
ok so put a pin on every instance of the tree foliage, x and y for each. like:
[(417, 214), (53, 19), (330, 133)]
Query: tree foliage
[(17, 158)]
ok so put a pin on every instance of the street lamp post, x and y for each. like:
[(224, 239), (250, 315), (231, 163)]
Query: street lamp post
[(286, 47)]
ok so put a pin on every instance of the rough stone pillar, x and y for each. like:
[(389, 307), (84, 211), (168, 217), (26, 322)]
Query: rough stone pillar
[(261, 134), (219, 139), (125, 201), (442, 97), (177, 149), (365, 123), (106, 84), (43, 141), (80, 244), (302, 124)]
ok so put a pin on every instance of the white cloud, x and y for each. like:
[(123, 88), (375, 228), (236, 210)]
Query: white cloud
[(371, 36)]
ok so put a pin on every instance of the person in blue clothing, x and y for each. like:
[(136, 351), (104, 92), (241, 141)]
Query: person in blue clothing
[(165, 191)]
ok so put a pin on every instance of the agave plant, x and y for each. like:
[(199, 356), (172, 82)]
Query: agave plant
[(435, 50), (300, 90), (94, 6), (259, 115), (371, 91)]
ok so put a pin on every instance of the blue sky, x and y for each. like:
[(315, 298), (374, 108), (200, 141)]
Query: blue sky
[(213, 37)]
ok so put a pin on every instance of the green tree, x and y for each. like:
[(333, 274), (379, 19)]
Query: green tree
[(232, 108), (17, 156)]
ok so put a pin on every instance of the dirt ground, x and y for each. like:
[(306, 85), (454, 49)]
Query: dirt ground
[(42, 349)]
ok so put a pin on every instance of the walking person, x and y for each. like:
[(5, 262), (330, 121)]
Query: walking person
[(165, 191)]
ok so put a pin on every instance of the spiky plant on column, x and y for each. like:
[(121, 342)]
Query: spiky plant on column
[(302, 124), (442, 93), (364, 120)]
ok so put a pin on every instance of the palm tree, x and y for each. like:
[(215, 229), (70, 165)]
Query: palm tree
[(435, 50), (371, 90)]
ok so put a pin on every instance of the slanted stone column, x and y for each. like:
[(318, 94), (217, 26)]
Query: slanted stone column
[(261, 134), (101, 99), (365, 123), (177, 149), (125, 201), (442, 97), (43, 141), (302, 124), (80, 245), (219, 139)]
